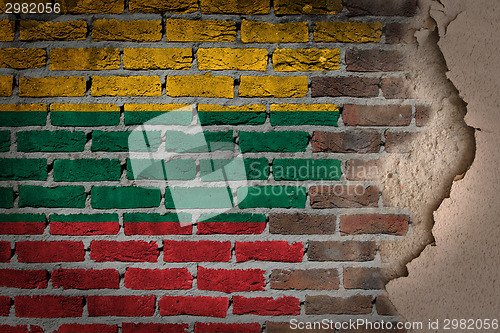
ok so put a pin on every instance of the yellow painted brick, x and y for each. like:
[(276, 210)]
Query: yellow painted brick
[(64, 86), (19, 58), (158, 107), (126, 86), (238, 59), (7, 29), (347, 32), (263, 32), (46, 30), (291, 60), (180, 30), (162, 6), (250, 7), (214, 107), (92, 6), (143, 58), (200, 86), (273, 86), (6, 83), (83, 107), (129, 31), (304, 107), (23, 107), (290, 7), (92, 59)]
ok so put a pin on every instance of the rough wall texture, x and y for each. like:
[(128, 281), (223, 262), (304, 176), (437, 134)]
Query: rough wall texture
[(325, 102)]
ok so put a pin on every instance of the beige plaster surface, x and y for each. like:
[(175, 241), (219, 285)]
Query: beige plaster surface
[(458, 276)]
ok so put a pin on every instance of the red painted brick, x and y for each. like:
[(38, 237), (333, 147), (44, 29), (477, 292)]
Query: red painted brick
[(48, 306), (377, 115), (131, 251), (194, 306), (154, 328), (230, 280), (363, 278), (60, 251), (84, 228), (87, 328), (266, 306), (269, 251), (22, 228), (5, 306), (20, 329), (157, 228), (5, 251), (230, 228), (23, 279), (151, 279), (374, 224), (348, 142), (186, 251), (227, 328), (86, 279), (122, 306)]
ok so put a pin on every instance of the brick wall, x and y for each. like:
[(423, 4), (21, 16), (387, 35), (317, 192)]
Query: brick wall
[(313, 94)]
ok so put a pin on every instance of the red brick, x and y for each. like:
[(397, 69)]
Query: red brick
[(363, 170), (269, 251), (384, 306), (130, 251), (341, 251), (344, 86), (363, 278), (230, 280), (230, 228), (22, 228), (20, 329), (154, 328), (84, 228), (318, 279), (194, 306), (375, 60), (122, 306), (400, 142), (86, 279), (344, 196), (157, 228), (5, 306), (381, 7), (227, 328), (186, 251), (301, 224), (396, 88), (24, 279), (422, 115), (374, 224), (39, 251), (87, 328), (400, 33), (266, 306), (354, 305), (5, 251), (377, 115), (348, 142), (48, 306), (151, 279)]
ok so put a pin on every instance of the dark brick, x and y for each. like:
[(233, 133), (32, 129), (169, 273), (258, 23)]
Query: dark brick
[(318, 279), (344, 196), (384, 306), (377, 115), (323, 304), (381, 7), (400, 142), (344, 86), (422, 115), (396, 88), (374, 60), (301, 224), (363, 278), (341, 251), (391, 224), (363, 170), (349, 142), (399, 33)]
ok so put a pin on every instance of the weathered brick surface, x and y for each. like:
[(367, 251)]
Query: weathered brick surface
[(341, 251), (44, 30), (266, 306), (168, 58), (290, 7), (126, 86), (345, 86), (235, 7), (400, 142), (374, 224), (263, 32), (135, 31), (347, 32), (181, 30), (291, 60), (84, 59), (320, 279), (381, 8), (63, 86), (348, 142), (7, 30), (6, 85), (353, 305), (363, 169), (377, 115), (273, 86), (374, 60), (301, 224), (19, 58), (229, 58), (200, 86), (158, 6), (92, 7), (344, 196)]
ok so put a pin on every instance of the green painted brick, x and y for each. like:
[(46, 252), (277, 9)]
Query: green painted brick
[(155, 217), (110, 197), (57, 197), (84, 218), (179, 169), (234, 169), (86, 170), (178, 141), (198, 197), (22, 218), (231, 118), (23, 118), (272, 197), (4, 141), (94, 118), (6, 197), (155, 117), (23, 169), (47, 141), (297, 118), (273, 141), (126, 141), (306, 169), (232, 217)]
